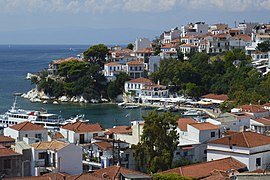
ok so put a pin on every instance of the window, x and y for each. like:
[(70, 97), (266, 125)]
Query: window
[(205, 151), (7, 164), (26, 135), (38, 136), (42, 155), (258, 161), (95, 134), (213, 134)]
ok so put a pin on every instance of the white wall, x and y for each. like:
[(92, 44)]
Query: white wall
[(12, 133), (245, 155), (70, 159), (18, 135)]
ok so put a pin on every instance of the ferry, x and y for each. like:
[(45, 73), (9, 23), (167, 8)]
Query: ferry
[(15, 116)]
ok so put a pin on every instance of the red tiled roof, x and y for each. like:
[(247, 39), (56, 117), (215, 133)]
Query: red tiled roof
[(53, 145), (27, 126), (145, 50), (204, 169), (243, 139), (218, 175), (79, 126), (205, 126), (264, 120), (178, 40), (113, 172), (267, 104), (58, 135), (104, 145), (140, 80), (253, 108), (167, 46), (135, 62), (183, 122), (121, 129), (4, 139), (112, 64), (66, 60), (222, 97), (84, 176), (7, 152)]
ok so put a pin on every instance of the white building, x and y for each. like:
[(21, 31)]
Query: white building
[(188, 48), (198, 28), (260, 125), (27, 131), (250, 148), (143, 55), (112, 69), (257, 111), (142, 43), (135, 69), (56, 156), (169, 36), (193, 137), (234, 121), (80, 132)]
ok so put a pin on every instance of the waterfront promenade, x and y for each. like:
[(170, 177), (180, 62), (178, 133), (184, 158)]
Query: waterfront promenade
[(213, 113)]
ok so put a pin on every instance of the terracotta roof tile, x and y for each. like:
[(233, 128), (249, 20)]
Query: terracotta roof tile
[(204, 169), (7, 152), (113, 172), (167, 46), (218, 175), (121, 130), (264, 120), (112, 64), (140, 80), (243, 139), (222, 97), (57, 135), (84, 176), (104, 145), (135, 62), (4, 139), (145, 50), (205, 126), (83, 127), (27, 126), (183, 122), (53, 145), (253, 108)]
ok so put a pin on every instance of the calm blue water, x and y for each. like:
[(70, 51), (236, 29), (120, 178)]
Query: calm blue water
[(17, 60)]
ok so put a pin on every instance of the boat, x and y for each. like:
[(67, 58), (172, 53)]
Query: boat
[(75, 119), (192, 112), (131, 107), (121, 104), (15, 116)]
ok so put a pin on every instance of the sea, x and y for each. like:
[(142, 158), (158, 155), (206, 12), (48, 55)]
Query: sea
[(17, 60)]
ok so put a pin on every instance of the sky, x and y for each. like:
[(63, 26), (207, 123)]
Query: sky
[(115, 21)]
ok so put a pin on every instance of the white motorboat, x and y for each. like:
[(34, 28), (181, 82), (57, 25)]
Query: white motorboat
[(121, 104), (192, 112), (131, 107)]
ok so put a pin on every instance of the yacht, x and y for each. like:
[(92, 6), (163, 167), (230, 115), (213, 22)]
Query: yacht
[(15, 116), (192, 112)]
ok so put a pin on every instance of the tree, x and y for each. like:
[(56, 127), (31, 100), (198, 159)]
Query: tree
[(263, 46), (96, 54), (158, 142), (130, 46)]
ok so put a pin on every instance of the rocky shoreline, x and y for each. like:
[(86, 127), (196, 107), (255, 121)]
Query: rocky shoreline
[(39, 96)]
